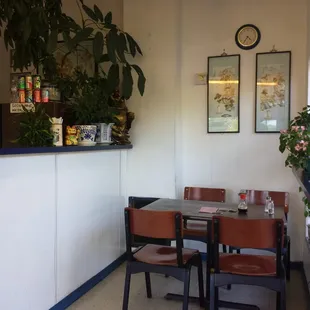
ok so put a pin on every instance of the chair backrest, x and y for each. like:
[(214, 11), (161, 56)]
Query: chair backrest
[(259, 198), (140, 202), (154, 224), (247, 233), (205, 194)]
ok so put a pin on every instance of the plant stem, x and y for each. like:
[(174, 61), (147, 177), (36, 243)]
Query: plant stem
[(83, 21)]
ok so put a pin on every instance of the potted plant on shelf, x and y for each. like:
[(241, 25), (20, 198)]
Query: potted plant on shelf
[(89, 107), (35, 128), (112, 52)]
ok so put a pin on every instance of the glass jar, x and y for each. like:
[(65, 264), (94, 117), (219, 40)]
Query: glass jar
[(242, 207)]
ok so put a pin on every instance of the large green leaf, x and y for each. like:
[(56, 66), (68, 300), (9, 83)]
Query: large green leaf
[(82, 35), (111, 45), (90, 12), (52, 41), (113, 78), (104, 58), (108, 18), (121, 48), (98, 46), (98, 13), (68, 40), (123, 41), (132, 47), (141, 79), (27, 29), (127, 82)]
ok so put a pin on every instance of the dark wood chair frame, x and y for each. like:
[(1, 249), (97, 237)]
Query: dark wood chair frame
[(218, 278), (181, 271), (221, 198), (286, 251)]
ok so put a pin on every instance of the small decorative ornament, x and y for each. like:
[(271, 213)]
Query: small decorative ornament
[(57, 131), (247, 37), (72, 136), (103, 134), (87, 135)]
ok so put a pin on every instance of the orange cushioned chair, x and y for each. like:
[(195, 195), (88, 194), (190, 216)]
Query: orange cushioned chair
[(197, 230), (258, 270), (280, 199), (172, 261)]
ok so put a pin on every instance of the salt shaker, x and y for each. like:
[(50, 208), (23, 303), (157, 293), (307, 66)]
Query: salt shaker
[(268, 199), (271, 208)]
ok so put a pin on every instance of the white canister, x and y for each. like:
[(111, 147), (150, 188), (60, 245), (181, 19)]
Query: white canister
[(57, 131)]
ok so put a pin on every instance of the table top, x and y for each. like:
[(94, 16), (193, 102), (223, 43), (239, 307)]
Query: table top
[(191, 208)]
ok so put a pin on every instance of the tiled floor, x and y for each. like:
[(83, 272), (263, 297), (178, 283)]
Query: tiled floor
[(109, 293)]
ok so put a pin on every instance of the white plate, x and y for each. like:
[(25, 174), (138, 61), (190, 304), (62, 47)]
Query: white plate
[(104, 143), (87, 143)]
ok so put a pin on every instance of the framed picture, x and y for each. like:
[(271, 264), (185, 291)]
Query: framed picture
[(82, 59), (272, 92), (223, 94)]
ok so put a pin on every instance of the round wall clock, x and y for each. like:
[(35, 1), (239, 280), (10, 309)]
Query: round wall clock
[(247, 37)]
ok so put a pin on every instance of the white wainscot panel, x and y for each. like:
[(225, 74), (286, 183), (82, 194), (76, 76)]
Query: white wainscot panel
[(89, 211), (27, 231)]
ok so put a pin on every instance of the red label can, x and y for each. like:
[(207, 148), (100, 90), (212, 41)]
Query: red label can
[(44, 95), (21, 94), (29, 85), (37, 95)]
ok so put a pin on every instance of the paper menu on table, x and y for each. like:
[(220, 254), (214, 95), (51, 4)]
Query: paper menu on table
[(208, 210)]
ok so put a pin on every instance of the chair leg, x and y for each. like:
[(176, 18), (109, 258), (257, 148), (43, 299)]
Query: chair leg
[(212, 293), (126, 288), (283, 296), (148, 285), (224, 248), (288, 261), (186, 289), (238, 251), (216, 298), (200, 283), (228, 287)]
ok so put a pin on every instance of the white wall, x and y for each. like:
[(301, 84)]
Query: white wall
[(172, 147), (61, 223)]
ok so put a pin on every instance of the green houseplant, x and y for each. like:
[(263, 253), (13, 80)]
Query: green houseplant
[(35, 128), (33, 28), (296, 142)]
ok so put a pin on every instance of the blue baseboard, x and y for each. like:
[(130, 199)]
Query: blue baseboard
[(87, 286)]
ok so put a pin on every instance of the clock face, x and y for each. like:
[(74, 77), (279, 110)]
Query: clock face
[(247, 37)]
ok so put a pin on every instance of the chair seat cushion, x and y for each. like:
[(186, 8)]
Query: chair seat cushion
[(243, 264), (195, 228), (162, 255)]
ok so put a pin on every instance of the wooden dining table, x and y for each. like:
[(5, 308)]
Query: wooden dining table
[(190, 210)]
